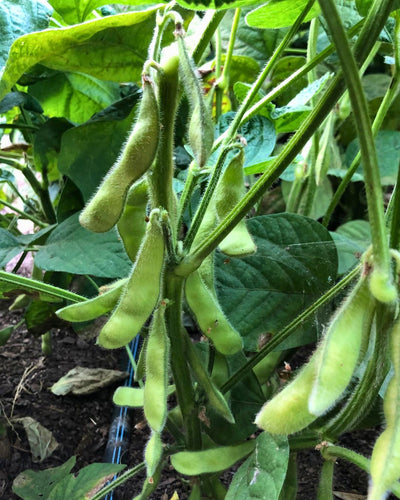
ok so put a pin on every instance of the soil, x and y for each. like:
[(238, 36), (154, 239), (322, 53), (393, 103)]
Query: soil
[(81, 424)]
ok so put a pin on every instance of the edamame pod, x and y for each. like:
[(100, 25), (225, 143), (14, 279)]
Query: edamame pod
[(157, 360), (339, 350), (209, 316), (103, 211), (385, 459), (141, 291), (287, 412), (201, 127), (95, 307), (229, 191), (153, 453), (132, 223)]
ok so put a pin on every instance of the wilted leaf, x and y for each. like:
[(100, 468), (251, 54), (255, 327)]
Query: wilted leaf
[(41, 440), (80, 380)]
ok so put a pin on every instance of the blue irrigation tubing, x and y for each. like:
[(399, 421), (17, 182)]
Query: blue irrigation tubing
[(119, 430)]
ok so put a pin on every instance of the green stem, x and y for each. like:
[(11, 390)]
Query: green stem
[(23, 214), (133, 363), (365, 135), (380, 116), (188, 188), (375, 21), (19, 126), (120, 480), (218, 62), (179, 366), (207, 35), (234, 126), (39, 286), (326, 481), (283, 334), (393, 214), (331, 452), (223, 82), (46, 343)]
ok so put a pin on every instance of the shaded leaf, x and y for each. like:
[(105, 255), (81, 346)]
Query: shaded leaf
[(215, 4), (351, 239), (41, 441), (9, 247), (81, 381), (13, 99), (5, 334)]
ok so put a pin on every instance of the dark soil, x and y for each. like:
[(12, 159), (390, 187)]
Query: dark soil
[(81, 424)]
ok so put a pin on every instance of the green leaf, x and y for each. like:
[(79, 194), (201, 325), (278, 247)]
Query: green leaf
[(351, 239), (73, 249), (280, 13), (260, 136), (5, 334), (215, 4), (32, 485), (117, 46), (40, 317), (74, 96), (193, 463), (13, 99), (9, 247), (59, 484), (77, 11), (263, 473), (387, 144), (296, 262), (18, 17)]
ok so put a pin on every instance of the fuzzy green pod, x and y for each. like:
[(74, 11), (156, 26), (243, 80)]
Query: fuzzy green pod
[(153, 453), (141, 291), (95, 307), (157, 361), (193, 463), (103, 211), (382, 286), (209, 316), (339, 350), (229, 191), (287, 412), (132, 223), (385, 459), (201, 127)]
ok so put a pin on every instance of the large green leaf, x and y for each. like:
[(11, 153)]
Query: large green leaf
[(112, 48), (280, 13), (59, 484), (263, 473), (73, 249), (295, 263), (9, 247), (77, 11), (74, 96), (18, 17), (215, 4)]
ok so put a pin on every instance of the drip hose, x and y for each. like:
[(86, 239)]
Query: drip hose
[(118, 435)]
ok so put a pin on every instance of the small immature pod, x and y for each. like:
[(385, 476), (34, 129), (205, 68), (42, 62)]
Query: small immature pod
[(209, 316), (229, 191), (141, 291), (287, 412), (132, 223), (385, 459), (157, 361), (104, 209), (339, 350), (201, 127), (95, 307)]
